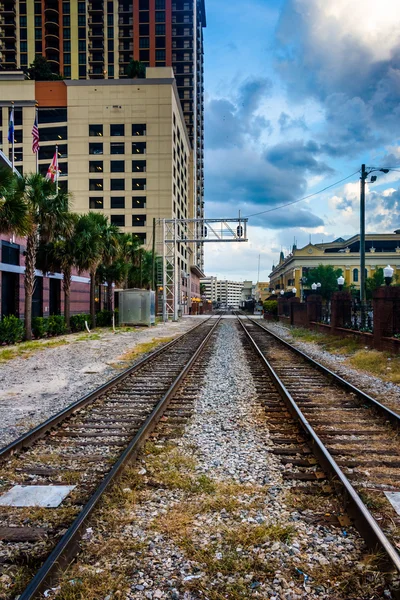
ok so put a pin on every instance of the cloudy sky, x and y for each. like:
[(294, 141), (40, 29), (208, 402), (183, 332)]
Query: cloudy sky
[(299, 93)]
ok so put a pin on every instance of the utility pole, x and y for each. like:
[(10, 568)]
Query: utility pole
[(153, 258), (364, 175)]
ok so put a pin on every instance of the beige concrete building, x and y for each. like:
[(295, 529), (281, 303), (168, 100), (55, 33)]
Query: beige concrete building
[(381, 249), (227, 293), (123, 146)]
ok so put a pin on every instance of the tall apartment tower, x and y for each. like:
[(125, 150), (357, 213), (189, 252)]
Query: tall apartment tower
[(96, 39)]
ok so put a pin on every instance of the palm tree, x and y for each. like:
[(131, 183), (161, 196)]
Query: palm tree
[(14, 217), (92, 236), (59, 255), (46, 210)]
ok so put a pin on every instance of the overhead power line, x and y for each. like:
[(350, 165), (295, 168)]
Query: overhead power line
[(304, 198)]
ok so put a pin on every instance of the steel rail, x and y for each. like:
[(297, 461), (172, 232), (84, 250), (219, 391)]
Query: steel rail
[(67, 547), (392, 416), (28, 438), (365, 522)]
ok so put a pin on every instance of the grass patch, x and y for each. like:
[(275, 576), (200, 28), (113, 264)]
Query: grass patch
[(174, 470), (374, 501), (26, 349), (378, 363), (91, 584), (88, 336), (143, 348), (336, 576), (306, 335)]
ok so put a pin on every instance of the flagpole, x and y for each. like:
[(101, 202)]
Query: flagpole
[(37, 123), (12, 141), (56, 170)]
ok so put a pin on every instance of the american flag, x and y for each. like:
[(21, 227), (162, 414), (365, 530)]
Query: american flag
[(35, 136)]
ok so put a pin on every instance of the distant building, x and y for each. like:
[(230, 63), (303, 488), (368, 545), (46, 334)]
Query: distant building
[(380, 249), (261, 291), (223, 292)]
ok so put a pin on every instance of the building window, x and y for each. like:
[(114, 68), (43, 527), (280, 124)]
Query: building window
[(67, 71), (95, 166), (95, 130), (138, 130), (138, 184), (118, 220), (9, 253), (355, 275), (117, 130), (95, 148), (160, 4), (52, 115), (138, 220), (138, 147), (144, 42), (117, 184), (53, 134), (160, 29), (117, 148), (95, 185), (18, 136), (160, 54), (117, 166), (141, 237), (117, 202), (96, 202), (47, 152), (138, 201), (160, 16), (138, 166)]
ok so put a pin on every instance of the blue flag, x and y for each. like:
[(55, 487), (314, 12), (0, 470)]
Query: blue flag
[(11, 127)]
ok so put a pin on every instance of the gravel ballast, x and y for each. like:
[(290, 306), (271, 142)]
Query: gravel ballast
[(235, 531), (34, 388)]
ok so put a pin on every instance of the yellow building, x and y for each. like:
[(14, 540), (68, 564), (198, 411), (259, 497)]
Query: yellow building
[(261, 292), (381, 249)]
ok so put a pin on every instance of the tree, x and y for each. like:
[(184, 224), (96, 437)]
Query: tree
[(140, 272), (94, 235), (135, 70), (374, 282), (60, 256), (327, 276), (46, 210), (40, 70), (14, 217)]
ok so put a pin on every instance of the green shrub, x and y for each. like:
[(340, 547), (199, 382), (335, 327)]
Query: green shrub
[(271, 307), (56, 325), (78, 322), (11, 330), (104, 318), (39, 327)]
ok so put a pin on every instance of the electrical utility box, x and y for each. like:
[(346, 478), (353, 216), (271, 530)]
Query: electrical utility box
[(137, 307)]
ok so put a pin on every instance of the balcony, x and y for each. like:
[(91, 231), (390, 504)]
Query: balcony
[(96, 6), (96, 32)]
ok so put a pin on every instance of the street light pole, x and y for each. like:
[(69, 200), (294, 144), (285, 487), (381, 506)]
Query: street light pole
[(364, 175)]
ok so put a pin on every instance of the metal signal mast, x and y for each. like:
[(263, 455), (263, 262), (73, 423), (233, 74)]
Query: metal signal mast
[(191, 231)]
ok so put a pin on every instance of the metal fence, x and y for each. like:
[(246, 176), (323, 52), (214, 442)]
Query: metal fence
[(362, 316)]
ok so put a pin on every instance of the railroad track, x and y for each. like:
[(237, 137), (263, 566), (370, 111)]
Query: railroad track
[(85, 446), (354, 439)]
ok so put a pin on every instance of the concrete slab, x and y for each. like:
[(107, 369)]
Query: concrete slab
[(47, 496), (394, 499)]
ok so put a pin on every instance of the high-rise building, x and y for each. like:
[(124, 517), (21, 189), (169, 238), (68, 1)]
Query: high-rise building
[(96, 40)]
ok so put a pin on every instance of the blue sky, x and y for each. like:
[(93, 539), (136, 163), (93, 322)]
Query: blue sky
[(299, 93)]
